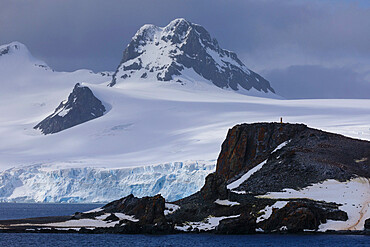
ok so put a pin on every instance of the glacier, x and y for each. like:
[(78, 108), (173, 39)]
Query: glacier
[(50, 183)]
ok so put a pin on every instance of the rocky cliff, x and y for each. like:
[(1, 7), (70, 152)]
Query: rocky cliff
[(307, 156)]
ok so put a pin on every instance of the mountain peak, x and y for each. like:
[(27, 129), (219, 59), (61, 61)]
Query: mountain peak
[(16, 55), (179, 23), (176, 51), (81, 106), (13, 47)]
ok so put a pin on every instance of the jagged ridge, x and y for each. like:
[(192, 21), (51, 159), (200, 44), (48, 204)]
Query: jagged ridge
[(167, 53)]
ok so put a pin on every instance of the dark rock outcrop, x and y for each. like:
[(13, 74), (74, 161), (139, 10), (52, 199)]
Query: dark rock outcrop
[(298, 216), (245, 224), (81, 106), (186, 45), (247, 145), (214, 188), (148, 210)]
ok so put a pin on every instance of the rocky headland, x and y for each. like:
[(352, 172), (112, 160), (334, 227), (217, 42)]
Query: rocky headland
[(270, 177)]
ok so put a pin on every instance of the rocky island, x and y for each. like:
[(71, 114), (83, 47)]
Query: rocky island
[(270, 177)]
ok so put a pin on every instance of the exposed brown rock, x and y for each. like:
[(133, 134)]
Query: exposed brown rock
[(247, 145), (297, 216), (214, 188), (149, 210), (245, 224)]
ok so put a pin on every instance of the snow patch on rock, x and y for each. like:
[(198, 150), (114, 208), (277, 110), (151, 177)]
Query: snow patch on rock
[(245, 177), (226, 203), (208, 224), (267, 211), (170, 208)]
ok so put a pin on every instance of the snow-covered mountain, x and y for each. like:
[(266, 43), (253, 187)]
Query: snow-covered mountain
[(182, 52), (45, 183), (17, 54)]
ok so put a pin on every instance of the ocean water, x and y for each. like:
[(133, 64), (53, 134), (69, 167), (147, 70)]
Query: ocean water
[(27, 210), (24, 210), (179, 240)]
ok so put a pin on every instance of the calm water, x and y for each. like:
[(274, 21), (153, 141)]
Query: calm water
[(23, 210), (179, 240), (28, 210)]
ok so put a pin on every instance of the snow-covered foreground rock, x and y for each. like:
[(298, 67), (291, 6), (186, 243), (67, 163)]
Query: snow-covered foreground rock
[(84, 185)]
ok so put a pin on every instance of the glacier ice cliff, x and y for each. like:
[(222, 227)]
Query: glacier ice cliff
[(48, 183)]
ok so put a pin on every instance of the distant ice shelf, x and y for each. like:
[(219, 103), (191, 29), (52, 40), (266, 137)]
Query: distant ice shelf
[(44, 183)]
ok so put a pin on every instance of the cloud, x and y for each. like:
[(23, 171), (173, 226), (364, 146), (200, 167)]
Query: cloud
[(267, 34), (312, 81)]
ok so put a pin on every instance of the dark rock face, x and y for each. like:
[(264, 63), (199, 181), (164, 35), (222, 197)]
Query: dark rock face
[(214, 188), (149, 210), (191, 47), (80, 107), (246, 146), (297, 216), (310, 156), (245, 224)]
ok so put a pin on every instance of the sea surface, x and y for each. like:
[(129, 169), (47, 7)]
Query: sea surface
[(24, 210), (27, 210)]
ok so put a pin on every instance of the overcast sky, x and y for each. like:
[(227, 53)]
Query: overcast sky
[(305, 48)]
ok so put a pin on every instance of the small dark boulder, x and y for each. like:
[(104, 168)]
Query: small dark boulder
[(245, 224)]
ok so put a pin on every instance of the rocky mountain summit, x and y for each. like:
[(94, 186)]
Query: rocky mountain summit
[(12, 48), (80, 107), (270, 177), (16, 53), (181, 50)]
